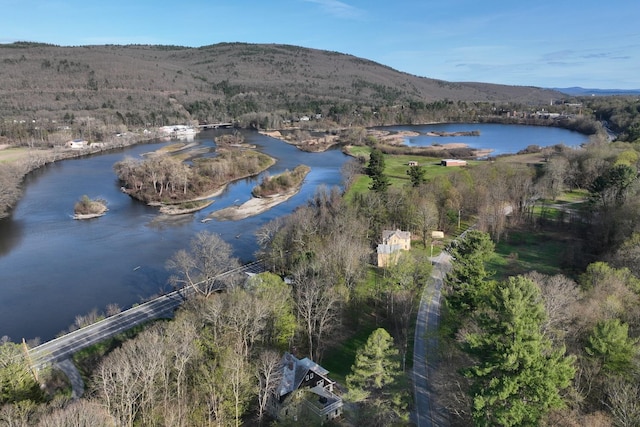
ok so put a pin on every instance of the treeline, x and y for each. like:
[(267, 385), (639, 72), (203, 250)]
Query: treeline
[(621, 113), (10, 187), (166, 179)]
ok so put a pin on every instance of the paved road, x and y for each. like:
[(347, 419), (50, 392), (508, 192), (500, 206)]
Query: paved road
[(427, 412), (63, 347), (70, 370)]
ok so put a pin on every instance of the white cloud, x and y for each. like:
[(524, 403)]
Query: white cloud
[(338, 9)]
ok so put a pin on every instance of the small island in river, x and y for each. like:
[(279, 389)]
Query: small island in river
[(272, 191), (87, 208), (179, 188)]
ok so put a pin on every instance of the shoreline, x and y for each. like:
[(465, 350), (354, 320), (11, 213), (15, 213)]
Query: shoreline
[(317, 144), (252, 207), (385, 137), (89, 216)]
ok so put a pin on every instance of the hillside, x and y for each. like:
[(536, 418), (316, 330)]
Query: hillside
[(156, 85)]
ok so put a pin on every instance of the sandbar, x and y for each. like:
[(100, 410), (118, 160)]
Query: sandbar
[(252, 207)]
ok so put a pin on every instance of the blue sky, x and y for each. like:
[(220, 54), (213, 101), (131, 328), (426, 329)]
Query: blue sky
[(562, 43)]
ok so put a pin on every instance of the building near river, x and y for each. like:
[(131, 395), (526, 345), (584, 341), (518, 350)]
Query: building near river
[(393, 241), (453, 162), (305, 390), (77, 144)]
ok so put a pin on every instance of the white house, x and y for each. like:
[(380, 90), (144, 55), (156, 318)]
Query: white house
[(77, 144)]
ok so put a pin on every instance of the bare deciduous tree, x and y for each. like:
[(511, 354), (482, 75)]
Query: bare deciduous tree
[(559, 295), (318, 306), (206, 268), (80, 413), (269, 374), (624, 401)]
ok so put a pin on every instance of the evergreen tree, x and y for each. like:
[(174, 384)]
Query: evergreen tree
[(610, 343), (518, 375), (375, 170), (376, 163), (376, 363), (467, 283), (377, 382), (416, 175), (17, 383)]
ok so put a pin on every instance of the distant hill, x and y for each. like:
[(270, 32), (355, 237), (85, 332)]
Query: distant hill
[(579, 91), (161, 84)]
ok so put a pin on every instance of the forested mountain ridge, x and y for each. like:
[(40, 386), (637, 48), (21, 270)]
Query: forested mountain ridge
[(156, 84)]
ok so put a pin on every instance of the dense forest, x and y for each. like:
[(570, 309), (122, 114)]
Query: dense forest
[(553, 343)]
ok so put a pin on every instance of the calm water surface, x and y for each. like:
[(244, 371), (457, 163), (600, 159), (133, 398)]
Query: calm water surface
[(502, 139), (53, 268)]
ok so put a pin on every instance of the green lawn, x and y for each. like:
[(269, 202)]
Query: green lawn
[(396, 167), (524, 251), (339, 359)]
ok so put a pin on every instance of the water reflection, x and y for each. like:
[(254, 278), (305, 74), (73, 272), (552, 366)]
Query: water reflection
[(11, 233)]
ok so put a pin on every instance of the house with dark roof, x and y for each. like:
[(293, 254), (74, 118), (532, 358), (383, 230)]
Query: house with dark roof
[(306, 387)]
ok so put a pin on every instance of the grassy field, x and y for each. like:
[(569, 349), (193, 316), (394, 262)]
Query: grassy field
[(396, 167), (524, 251), (8, 155)]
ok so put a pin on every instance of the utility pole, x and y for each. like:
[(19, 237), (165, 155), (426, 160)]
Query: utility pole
[(34, 371)]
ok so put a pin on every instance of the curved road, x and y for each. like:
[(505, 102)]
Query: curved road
[(427, 412)]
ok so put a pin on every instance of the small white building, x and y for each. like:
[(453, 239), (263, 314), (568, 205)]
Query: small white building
[(453, 162), (77, 144)]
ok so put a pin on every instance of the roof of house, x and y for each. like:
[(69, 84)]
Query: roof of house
[(294, 370), (386, 234)]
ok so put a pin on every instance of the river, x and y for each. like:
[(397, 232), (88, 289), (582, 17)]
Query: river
[(53, 268)]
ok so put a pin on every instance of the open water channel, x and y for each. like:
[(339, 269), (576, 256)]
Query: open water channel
[(53, 268)]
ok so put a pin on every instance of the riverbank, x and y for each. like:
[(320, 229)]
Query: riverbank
[(312, 144), (394, 139), (90, 216), (17, 162)]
